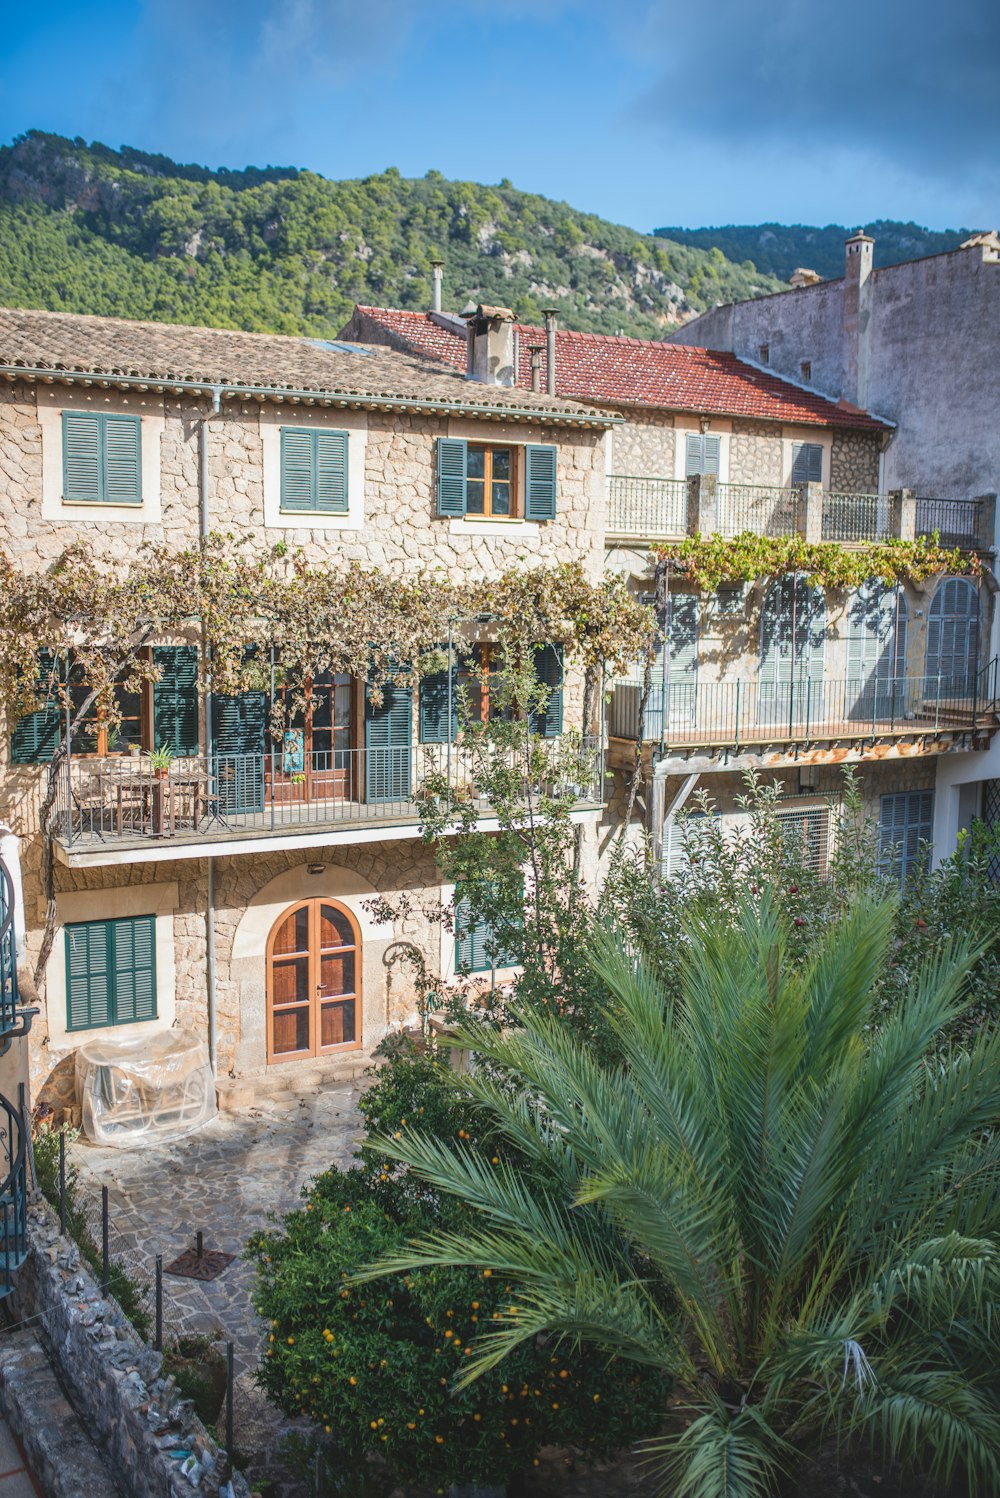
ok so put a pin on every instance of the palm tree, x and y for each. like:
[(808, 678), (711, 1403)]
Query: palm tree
[(792, 1213)]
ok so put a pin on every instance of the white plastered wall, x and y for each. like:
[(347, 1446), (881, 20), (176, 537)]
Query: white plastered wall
[(355, 424), (149, 408)]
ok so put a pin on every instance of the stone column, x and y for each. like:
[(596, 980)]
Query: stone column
[(987, 520), (811, 522), (703, 504), (903, 514)]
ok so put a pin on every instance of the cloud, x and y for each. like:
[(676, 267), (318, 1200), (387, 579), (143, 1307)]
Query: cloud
[(915, 83)]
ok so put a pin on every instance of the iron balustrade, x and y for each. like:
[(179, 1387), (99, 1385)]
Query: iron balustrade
[(733, 715), (111, 799), (857, 517), (8, 954), (958, 522), (647, 506), (759, 508), (13, 1192)]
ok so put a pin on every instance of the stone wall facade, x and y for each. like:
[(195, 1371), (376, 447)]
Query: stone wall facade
[(645, 445), (854, 463), (756, 454)]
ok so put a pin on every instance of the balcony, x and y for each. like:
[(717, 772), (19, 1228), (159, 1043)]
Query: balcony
[(14, 1022), (656, 509), (109, 807), (732, 717)]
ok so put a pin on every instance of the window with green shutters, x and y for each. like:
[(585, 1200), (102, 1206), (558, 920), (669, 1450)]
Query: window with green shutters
[(906, 830), (175, 699), (807, 463), (102, 458), (460, 483), (469, 676), (35, 736), (110, 972), (314, 471), (476, 945), (701, 454)]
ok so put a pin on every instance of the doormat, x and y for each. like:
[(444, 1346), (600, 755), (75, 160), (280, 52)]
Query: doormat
[(203, 1264)]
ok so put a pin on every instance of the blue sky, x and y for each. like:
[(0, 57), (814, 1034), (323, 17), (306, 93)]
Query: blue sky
[(643, 111)]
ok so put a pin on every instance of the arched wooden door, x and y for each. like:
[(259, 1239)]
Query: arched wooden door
[(313, 982)]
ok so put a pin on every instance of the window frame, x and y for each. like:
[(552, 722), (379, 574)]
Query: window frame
[(489, 449), (101, 420), (900, 866), (316, 435), (111, 973)]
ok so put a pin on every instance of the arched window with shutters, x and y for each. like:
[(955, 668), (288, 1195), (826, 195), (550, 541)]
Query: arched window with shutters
[(877, 619), (952, 656), (792, 653), (313, 982)]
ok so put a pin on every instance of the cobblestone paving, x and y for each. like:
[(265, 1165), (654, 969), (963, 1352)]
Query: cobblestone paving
[(224, 1180)]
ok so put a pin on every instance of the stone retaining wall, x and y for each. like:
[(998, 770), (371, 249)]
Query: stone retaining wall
[(133, 1414)]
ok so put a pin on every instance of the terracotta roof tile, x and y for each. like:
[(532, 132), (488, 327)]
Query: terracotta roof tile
[(636, 372)]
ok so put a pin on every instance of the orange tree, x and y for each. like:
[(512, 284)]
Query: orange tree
[(376, 1366)]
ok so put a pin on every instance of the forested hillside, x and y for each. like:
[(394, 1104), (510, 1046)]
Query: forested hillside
[(126, 233), (779, 249)]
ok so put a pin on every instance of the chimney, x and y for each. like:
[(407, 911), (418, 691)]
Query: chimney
[(857, 271), (535, 350), (436, 269), (490, 334), (550, 314)]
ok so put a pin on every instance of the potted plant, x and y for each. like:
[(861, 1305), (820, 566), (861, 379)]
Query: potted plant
[(160, 760)]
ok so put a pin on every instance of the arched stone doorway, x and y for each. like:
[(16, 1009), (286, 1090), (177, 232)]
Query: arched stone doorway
[(314, 982)]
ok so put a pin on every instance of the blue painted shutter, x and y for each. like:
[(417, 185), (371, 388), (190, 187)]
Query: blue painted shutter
[(388, 743), (451, 471), (548, 721), (133, 955), (238, 751), (36, 736), (122, 460), (434, 697), (540, 481), (807, 463), (175, 698), (952, 651), (89, 980), (682, 614), (475, 941), (81, 433), (330, 469), (701, 454), (906, 822), (791, 671)]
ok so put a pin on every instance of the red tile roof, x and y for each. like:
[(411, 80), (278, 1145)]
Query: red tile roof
[(596, 367)]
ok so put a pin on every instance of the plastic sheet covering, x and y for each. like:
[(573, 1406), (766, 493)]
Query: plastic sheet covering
[(150, 1090)]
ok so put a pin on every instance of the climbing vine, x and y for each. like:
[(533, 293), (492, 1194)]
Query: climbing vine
[(709, 561)]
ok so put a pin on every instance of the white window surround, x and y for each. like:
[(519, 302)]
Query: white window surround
[(788, 445), (449, 947), (308, 418), (51, 405), (680, 448), (158, 900)]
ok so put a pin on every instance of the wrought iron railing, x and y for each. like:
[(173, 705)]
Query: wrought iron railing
[(733, 715), (112, 799), (857, 517), (8, 954), (13, 1193), (958, 522), (759, 508), (647, 507)]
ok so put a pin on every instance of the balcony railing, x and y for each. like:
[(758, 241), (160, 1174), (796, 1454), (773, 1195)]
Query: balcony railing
[(959, 522), (857, 517), (210, 797), (647, 507), (733, 715), (764, 510), (8, 954), (13, 1193)]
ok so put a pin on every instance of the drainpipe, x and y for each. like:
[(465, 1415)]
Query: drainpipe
[(436, 272), (203, 527), (550, 314)]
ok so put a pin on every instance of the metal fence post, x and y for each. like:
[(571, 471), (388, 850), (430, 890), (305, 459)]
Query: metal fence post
[(158, 1344), (62, 1182), (105, 1263), (229, 1404)]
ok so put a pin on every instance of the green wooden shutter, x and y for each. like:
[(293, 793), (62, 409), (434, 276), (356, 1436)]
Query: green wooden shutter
[(296, 469), (122, 460), (451, 469), (81, 434), (434, 699), (330, 472), (548, 721), (475, 941), (388, 743), (36, 735), (133, 958), (682, 613), (89, 998), (238, 751), (175, 698), (540, 481), (807, 463)]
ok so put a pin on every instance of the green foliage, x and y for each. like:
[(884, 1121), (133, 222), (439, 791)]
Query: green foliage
[(376, 1368), (779, 249), (711, 560), (130, 234), (130, 1293), (794, 1216)]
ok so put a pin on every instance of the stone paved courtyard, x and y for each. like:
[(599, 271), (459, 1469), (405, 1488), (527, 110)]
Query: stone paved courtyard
[(224, 1180)]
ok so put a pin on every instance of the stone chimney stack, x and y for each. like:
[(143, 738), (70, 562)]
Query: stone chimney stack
[(858, 253), (437, 267), (490, 345)]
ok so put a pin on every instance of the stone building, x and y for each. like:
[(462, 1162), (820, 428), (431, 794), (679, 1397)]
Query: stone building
[(779, 679), (233, 894)]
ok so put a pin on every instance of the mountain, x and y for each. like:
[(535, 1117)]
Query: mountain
[(274, 249), (779, 249)]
